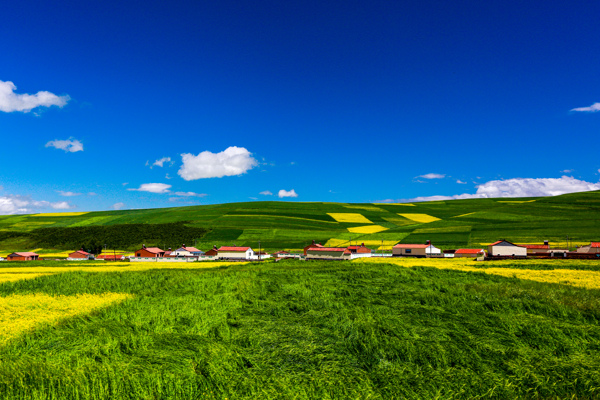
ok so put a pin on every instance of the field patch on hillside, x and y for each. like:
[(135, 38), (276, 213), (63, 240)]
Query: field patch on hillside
[(350, 217), (367, 229), (422, 218), (65, 214)]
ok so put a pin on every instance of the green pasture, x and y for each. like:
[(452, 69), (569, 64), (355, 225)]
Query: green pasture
[(292, 225), (309, 330)]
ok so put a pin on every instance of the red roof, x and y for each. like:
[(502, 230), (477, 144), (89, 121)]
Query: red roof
[(595, 244), (154, 250), (536, 246), (85, 253), (24, 253), (233, 248), (411, 246), (110, 256), (282, 252), (469, 251)]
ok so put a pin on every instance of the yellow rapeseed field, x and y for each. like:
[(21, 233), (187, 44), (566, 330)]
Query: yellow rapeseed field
[(424, 218), (20, 313), (17, 277), (579, 278), (367, 229), (369, 243), (350, 217), (65, 214)]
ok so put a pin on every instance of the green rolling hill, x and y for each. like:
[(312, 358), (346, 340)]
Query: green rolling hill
[(292, 225)]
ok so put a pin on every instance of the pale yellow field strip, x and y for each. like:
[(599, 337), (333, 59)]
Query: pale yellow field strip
[(464, 215), (579, 278), (21, 313), (334, 242), (65, 214), (367, 229), (515, 201), (367, 208), (350, 217), (18, 277), (118, 267), (424, 218), (394, 204)]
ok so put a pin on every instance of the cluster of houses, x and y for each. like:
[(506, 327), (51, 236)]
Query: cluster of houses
[(316, 251)]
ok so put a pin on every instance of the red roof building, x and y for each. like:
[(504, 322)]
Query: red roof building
[(359, 249), (150, 252), (22, 256), (80, 254), (312, 245), (233, 248), (469, 252)]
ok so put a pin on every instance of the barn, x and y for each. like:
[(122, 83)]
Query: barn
[(504, 248), (473, 253), (236, 252), (23, 256), (150, 252), (80, 255)]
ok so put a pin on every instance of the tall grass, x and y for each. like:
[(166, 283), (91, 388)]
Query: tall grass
[(293, 330)]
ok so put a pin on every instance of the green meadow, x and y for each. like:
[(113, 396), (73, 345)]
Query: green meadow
[(292, 225), (308, 330)]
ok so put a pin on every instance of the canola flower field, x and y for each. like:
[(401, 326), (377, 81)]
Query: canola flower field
[(371, 328)]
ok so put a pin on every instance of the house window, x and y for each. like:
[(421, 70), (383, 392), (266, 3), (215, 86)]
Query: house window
[(139, 254), (408, 251)]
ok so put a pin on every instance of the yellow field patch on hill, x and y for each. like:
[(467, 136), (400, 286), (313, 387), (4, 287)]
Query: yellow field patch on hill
[(423, 218), (464, 215), (368, 229), (65, 214), (21, 313), (367, 208), (334, 242), (350, 217)]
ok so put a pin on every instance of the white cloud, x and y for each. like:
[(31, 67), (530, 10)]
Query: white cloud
[(190, 194), (461, 182), (118, 206), (25, 205), (287, 193), (70, 146), (152, 188), (593, 108), (253, 198), (11, 101), (230, 162), (68, 194), (432, 176), (266, 193), (160, 162), (567, 171), (522, 187)]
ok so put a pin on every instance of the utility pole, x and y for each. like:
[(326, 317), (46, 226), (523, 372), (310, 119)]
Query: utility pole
[(258, 249)]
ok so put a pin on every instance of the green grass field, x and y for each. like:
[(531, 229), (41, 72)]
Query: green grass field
[(307, 330), (292, 225)]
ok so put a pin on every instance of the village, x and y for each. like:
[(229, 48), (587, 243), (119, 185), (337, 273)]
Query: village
[(501, 249)]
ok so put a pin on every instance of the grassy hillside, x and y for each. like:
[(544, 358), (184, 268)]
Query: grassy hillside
[(292, 225)]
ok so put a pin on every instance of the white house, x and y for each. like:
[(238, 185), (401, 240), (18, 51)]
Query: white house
[(236, 253), (506, 249), (188, 251)]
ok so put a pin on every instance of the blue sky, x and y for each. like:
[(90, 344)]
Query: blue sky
[(324, 101)]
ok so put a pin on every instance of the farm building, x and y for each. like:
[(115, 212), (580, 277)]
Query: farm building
[(416, 250), (184, 251), (212, 252), (22, 256), (505, 248), (328, 253), (533, 249), (80, 255), (593, 247), (236, 252), (473, 253), (360, 251), (150, 252), (312, 245), (110, 257)]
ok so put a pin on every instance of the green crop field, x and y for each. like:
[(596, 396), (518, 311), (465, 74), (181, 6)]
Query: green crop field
[(292, 225), (415, 329)]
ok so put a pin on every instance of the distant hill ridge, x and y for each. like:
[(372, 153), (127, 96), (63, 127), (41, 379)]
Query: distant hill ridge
[(292, 225)]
